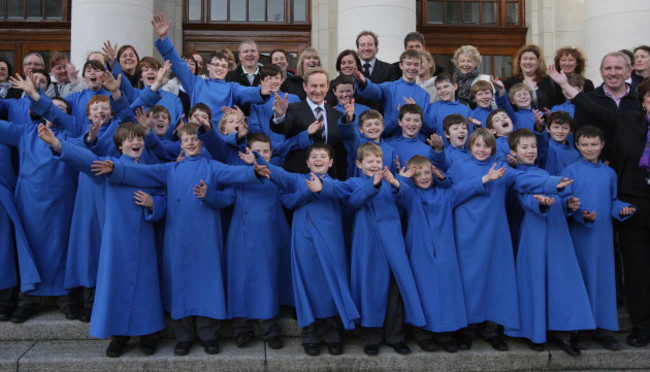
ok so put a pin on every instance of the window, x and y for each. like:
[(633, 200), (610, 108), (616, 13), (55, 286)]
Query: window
[(258, 11), (495, 27), (33, 10)]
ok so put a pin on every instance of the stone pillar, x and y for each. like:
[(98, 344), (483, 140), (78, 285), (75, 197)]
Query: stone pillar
[(124, 22), (391, 20), (613, 25)]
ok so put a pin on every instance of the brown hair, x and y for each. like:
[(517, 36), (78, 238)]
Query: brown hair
[(452, 119), (418, 161), (57, 57), (515, 137), (367, 32), (479, 86), (540, 73), (487, 137), (574, 52), (368, 149), (126, 130), (370, 114), (148, 62)]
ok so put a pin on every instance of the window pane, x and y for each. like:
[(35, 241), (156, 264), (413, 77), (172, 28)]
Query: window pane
[(275, 11), (453, 13), (471, 13), (299, 11), (489, 13), (238, 10), (502, 66), (512, 13), (435, 12), (15, 9), (53, 9), (218, 10), (486, 65), (34, 9), (2, 8), (194, 11), (256, 10), (444, 60)]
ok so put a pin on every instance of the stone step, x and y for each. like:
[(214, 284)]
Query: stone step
[(88, 355), (52, 325)]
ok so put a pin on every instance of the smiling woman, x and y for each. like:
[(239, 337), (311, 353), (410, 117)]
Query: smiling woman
[(467, 60)]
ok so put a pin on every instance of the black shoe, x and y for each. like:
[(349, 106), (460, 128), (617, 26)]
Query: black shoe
[(427, 345), (84, 316), (638, 339), (182, 348), (6, 313), (242, 339), (608, 342), (23, 313), (115, 349), (71, 312), (579, 340), (275, 342), (335, 348), (211, 347), (497, 343), (536, 346), (371, 350), (463, 341), (311, 349), (401, 348), (568, 347), (448, 346), (148, 344)]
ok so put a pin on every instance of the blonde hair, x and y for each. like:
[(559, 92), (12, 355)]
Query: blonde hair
[(369, 149), (516, 88), (418, 161), (426, 55), (471, 51), (309, 52), (224, 119), (488, 139)]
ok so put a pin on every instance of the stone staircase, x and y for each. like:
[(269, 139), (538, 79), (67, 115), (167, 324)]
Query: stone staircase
[(49, 342)]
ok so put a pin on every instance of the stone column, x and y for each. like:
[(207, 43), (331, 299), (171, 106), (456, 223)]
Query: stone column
[(611, 26), (391, 20), (124, 22)]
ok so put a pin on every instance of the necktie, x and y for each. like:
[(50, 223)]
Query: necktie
[(366, 69), (319, 117)]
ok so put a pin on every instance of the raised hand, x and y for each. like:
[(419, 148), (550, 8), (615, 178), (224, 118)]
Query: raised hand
[(161, 25), (143, 199), (73, 73), (494, 174), (377, 177), (436, 142), (589, 216), (314, 127), (558, 76), (573, 203), (266, 86), (349, 110), (100, 167), (143, 119), (539, 120), (111, 84), (26, 85), (280, 104), (544, 200), (200, 190), (248, 157), (390, 177), (512, 161), (47, 136), (226, 110), (408, 173), (110, 51), (396, 162), (160, 76), (498, 84), (627, 211), (262, 170), (242, 131), (93, 128), (564, 182), (438, 173), (477, 123), (314, 184), (409, 101), (358, 75), (205, 123), (181, 156)]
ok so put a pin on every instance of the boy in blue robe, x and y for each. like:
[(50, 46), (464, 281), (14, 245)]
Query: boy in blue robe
[(393, 94), (552, 294), (92, 73), (370, 129), (411, 142), (482, 93), (17, 110), (560, 150), (215, 91), (456, 129), (448, 104), (127, 299), (485, 253), (382, 283), (429, 200), (501, 126), (318, 258), (192, 279), (591, 229), (343, 89), (157, 119)]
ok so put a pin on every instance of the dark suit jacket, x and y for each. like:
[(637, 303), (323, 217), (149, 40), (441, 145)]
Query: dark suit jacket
[(298, 117), (238, 76)]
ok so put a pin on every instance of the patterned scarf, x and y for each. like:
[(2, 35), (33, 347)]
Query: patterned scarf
[(464, 82), (4, 89)]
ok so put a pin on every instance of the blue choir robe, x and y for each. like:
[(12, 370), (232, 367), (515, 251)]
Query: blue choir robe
[(481, 114), (566, 106), (214, 93), (485, 253), (319, 265), (406, 148), (552, 294), (127, 299), (352, 139), (17, 110), (377, 250), (444, 159), (391, 94), (522, 118), (559, 156), (431, 245), (503, 149), (192, 279), (595, 185), (44, 198), (258, 253), (439, 110), (163, 148)]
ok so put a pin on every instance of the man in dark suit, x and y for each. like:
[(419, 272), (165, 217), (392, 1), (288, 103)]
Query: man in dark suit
[(291, 119), (248, 71), (372, 68)]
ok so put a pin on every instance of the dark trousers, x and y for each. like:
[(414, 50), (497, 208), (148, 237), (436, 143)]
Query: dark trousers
[(268, 327), (486, 329), (187, 329), (35, 302), (8, 297), (393, 330), (325, 329), (634, 235)]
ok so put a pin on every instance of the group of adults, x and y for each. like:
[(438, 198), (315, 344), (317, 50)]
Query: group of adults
[(619, 106)]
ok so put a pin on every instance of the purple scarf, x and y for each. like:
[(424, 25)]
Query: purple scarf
[(644, 162)]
